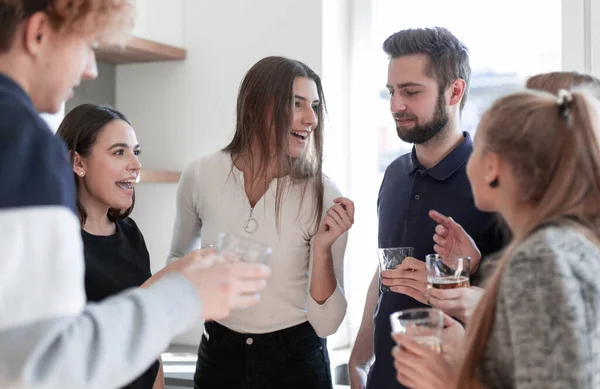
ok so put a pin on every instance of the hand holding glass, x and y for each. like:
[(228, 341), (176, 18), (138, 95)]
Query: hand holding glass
[(389, 258), (423, 325), (448, 271), (237, 248)]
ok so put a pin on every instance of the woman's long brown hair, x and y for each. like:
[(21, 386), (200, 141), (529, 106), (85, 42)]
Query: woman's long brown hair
[(554, 81), (265, 106), (545, 144)]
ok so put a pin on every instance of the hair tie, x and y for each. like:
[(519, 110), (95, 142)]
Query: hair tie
[(564, 102)]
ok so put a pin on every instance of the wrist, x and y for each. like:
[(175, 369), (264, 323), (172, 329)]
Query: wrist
[(354, 361), (321, 250), (475, 262)]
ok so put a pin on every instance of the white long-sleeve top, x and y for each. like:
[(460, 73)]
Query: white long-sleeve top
[(211, 199)]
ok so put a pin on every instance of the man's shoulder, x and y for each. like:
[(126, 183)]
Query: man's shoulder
[(396, 170), (400, 164), (34, 167)]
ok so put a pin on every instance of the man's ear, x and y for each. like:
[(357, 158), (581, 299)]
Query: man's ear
[(36, 32), (457, 91)]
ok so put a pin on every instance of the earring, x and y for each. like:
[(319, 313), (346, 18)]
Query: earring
[(81, 174), (494, 183)]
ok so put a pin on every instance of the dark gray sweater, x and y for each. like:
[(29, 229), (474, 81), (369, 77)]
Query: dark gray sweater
[(546, 332)]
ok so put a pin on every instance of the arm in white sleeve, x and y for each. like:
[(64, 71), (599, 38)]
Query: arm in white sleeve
[(48, 339), (326, 318), (188, 225)]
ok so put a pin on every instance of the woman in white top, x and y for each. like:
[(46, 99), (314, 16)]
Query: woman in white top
[(268, 185)]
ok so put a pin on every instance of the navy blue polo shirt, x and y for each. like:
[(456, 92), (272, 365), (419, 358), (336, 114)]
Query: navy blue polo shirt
[(34, 165), (407, 194)]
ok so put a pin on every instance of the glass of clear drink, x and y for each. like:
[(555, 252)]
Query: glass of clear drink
[(391, 257), (423, 325), (237, 248), (448, 271)]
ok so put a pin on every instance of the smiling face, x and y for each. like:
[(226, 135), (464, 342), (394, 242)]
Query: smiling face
[(112, 168), (279, 121), (305, 119), (419, 110)]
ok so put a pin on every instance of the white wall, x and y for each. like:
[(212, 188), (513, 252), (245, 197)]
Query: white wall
[(581, 35), (184, 110), (336, 59), (593, 31), (160, 21), (363, 149)]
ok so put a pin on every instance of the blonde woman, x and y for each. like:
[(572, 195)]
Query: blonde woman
[(536, 161), (451, 237)]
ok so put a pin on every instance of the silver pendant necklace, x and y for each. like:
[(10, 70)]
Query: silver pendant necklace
[(251, 224)]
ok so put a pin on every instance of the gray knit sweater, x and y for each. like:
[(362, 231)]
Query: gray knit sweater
[(546, 332)]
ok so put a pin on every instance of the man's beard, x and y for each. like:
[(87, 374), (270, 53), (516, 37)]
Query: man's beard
[(422, 133)]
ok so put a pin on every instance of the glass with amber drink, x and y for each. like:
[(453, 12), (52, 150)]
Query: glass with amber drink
[(448, 271)]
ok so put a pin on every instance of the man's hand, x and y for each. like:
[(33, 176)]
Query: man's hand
[(408, 278)]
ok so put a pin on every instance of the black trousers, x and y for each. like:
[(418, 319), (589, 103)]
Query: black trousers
[(292, 358)]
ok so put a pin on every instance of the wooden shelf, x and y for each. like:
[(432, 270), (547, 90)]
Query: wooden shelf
[(147, 175), (138, 50)]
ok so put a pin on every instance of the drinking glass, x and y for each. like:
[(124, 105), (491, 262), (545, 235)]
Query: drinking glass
[(424, 325), (448, 271), (391, 257)]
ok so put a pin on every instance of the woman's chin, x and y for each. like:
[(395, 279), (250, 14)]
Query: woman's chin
[(122, 205)]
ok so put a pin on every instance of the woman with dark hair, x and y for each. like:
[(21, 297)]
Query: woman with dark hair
[(267, 184), (104, 152)]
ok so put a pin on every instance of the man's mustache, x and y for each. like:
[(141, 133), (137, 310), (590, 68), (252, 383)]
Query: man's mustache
[(404, 116)]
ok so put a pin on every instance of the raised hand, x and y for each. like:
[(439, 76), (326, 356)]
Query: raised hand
[(451, 239)]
